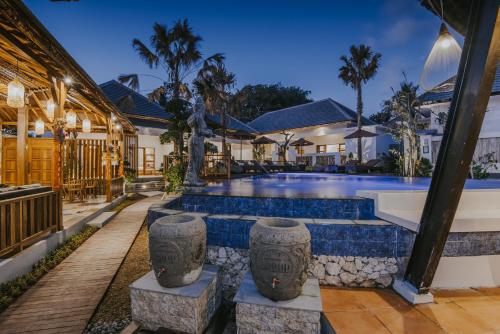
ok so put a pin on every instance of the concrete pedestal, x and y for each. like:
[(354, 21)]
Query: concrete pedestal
[(258, 314), (186, 309)]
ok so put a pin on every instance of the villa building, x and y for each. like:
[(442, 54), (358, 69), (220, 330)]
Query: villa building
[(325, 123), (437, 104)]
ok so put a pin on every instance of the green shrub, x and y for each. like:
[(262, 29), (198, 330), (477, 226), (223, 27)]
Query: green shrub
[(9, 291), (424, 167), (481, 166), (175, 176)]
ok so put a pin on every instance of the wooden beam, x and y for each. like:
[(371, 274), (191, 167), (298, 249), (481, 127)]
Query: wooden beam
[(109, 142), (468, 106), (22, 145), (1, 150)]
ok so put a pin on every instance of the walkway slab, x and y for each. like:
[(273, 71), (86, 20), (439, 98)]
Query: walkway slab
[(64, 300)]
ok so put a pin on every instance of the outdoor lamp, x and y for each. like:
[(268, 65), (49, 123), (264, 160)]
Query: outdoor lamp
[(15, 94), (70, 120), (50, 108), (39, 127), (442, 62), (118, 126), (86, 125)]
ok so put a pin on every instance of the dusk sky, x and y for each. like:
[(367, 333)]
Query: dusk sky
[(292, 42)]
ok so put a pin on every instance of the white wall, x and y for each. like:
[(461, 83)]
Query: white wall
[(372, 147), (160, 149)]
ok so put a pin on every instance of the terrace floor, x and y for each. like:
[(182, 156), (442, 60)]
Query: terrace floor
[(383, 311), (75, 211)]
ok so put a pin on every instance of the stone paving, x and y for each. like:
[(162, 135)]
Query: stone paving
[(64, 300)]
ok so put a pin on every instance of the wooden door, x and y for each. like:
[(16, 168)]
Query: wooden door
[(41, 152), (9, 161)]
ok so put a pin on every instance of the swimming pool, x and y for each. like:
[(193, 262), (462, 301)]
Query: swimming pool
[(316, 185)]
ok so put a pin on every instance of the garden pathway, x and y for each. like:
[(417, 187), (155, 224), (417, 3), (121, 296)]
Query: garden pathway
[(64, 300)]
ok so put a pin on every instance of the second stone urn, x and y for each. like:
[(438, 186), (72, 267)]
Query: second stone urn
[(177, 246), (280, 249)]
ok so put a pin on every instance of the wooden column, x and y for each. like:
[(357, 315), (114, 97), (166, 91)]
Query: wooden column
[(22, 145), (467, 109), (107, 176), (122, 154), (1, 151)]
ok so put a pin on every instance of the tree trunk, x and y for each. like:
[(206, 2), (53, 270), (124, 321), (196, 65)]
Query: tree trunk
[(223, 124), (359, 109)]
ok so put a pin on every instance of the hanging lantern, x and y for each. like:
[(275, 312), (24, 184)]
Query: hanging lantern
[(50, 108), (118, 126), (70, 120), (39, 127), (86, 125), (15, 94), (442, 63)]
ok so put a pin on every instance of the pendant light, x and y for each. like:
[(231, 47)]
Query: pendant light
[(441, 65), (86, 125), (50, 108), (15, 92), (39, 127), (70, 119)]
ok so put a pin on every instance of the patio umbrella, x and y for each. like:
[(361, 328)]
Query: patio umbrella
[(263, 140), (301, 142), (241, 135), (360, 133)]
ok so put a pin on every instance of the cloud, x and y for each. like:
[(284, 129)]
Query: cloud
[(400, 32)]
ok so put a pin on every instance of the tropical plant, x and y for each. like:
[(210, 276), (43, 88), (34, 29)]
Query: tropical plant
[(211, 148), (283, 146), (213, 83), (174, 175), (253, 101), (129, 173), (424, 167), (481, 167), (258, 152), (381, 117), (360, 66), (404, 107), (176, 53)]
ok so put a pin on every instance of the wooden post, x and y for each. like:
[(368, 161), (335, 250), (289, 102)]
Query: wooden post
[(107, 176), (467, 109), (22, 145), (1, 151), (122, 154)]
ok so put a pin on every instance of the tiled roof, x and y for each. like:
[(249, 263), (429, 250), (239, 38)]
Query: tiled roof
[(321, 112), (447, 95), (232, 123), (147, 123), (142, 106)]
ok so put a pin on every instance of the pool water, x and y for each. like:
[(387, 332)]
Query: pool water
[(316, 185)]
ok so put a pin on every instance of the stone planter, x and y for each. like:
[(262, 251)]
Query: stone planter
[(177, 246), (279, 255)]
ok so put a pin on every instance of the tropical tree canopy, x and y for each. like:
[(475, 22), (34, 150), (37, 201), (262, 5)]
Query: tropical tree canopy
[(360, 66), (253, 101), (175, 53)]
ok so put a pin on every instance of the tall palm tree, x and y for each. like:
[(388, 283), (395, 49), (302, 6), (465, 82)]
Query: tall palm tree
[(213, 83), (360, 66), (175, 52)]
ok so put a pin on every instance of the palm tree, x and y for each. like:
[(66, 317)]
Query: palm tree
[(175, 52), (213, 83), (359, 67)]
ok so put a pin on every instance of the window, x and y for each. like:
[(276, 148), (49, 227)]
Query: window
[(299, 149), (146, 160), (342, 148), (320, 148)]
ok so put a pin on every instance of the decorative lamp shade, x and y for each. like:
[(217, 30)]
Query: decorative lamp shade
[(15, 94), (118, 126), (50, 108), (116, 159), (86, 126), (70, 120), (441, 66), (39, 127)]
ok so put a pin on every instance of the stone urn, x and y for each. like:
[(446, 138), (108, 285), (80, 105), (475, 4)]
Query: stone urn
[(177, 246), (280, 249)]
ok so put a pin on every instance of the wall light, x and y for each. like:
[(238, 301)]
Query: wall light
[(39, 127), (86, 125), (15, 94), (70, 120)]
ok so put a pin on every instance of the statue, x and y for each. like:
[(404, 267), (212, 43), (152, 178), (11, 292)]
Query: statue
[(196, 145)]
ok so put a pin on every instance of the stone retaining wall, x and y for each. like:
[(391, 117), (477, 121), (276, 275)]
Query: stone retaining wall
[(340, 271)]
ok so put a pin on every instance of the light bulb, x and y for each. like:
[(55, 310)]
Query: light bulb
[(86, 125), (441, 66), (70, 120), (15, 94), (50, 108), (39, 127)]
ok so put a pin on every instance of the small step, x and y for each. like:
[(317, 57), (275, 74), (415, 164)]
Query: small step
[(102, 219)]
